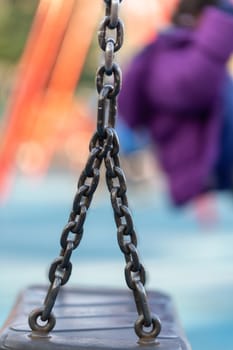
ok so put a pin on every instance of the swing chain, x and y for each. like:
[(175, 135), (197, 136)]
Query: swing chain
[(104, 145), (61, 268), (135, 275)]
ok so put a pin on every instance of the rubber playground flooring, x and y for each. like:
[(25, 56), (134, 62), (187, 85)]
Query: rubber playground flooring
[(190, 261)]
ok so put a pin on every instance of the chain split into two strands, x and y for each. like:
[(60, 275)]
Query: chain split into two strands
[(103, 147)]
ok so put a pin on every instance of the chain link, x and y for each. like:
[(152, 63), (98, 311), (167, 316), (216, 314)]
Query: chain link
[(104, 145)]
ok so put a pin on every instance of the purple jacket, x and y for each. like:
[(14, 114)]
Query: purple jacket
[(173, 89)]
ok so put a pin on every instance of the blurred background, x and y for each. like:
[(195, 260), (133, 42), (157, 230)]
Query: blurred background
[(47, 116)]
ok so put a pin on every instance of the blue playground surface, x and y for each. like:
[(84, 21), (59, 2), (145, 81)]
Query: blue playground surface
[(191, 262)]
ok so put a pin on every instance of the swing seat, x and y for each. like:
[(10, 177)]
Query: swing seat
[(90, 319)]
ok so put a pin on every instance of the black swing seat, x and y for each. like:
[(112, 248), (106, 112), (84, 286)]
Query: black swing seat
[(91, 319)]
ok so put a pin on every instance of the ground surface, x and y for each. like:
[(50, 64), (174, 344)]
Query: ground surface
[(190, 261)]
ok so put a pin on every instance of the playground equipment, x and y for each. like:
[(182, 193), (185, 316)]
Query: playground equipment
[(43, 108), (44, 94), (97, 319)]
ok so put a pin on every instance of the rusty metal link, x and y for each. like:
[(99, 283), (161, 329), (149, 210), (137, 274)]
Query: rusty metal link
[(117, 204), (34, 324), (114, 13), (132, 277), (90, 183), (58, 271), (108, 8), (109, 56), (115, 178), (131, 255), (124, 241), (153, 331), (106, 116), (104, 142), (51, 299), (125, 218), (111, 27), (101, 77), (142, 303), (102, 106), (75, 238), (66, 255), (103, 146), (80, 197), (93, 162), (119, 34), (79, 220), (113, 157)]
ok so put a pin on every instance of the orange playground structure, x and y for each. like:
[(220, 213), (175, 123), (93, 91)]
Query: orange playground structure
[(43, 114)]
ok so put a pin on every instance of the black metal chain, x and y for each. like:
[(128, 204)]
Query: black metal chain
[(104, 145)]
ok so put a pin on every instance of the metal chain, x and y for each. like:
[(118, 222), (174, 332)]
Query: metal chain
[(104, 145), (134, 271)]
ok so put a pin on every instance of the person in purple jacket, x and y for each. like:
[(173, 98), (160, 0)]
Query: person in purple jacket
[(175, 89)]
